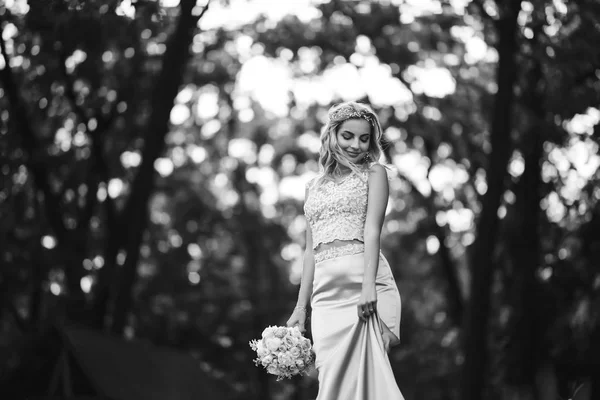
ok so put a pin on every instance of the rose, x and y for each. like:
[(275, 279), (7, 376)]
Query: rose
[(266, 360), (295, 352), (280, 332), (268, 332), (289, 341), (305, 344), (300, 364), (285, 359), (296, 332), (273, 343), (272, 369)]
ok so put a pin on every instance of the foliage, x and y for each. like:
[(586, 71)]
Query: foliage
[(183, 190)]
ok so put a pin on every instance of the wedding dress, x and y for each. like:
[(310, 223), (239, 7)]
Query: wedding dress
[(350, 356)]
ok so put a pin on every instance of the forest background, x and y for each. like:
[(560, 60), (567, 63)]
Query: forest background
[(154, 156)]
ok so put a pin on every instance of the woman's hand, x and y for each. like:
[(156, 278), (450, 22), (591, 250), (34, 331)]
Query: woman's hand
[(367, 304), (298, 318)]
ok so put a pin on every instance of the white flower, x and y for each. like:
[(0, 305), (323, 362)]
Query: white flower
[(300, 364), (266, 360), (305, 345), (280, 332), (273, 343), (285, 359), (295, 352), (272, 369), (269, 332)]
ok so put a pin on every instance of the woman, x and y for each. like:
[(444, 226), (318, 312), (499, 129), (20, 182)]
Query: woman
[(354, 300)]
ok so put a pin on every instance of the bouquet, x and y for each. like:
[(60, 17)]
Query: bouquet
[(283, 351)]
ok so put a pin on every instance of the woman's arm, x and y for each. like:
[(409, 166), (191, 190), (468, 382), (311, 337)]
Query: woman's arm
[(298, 316), (376, 205), (308, 268)]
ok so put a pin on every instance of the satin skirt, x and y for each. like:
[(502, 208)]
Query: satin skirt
[(350, 356)]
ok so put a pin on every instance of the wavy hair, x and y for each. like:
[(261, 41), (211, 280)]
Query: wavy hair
[(331, 156)]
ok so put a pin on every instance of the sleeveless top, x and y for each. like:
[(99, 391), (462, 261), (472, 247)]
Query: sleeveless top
[(337, 211)]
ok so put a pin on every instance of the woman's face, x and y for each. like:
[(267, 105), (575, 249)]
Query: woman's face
[(354, 137)]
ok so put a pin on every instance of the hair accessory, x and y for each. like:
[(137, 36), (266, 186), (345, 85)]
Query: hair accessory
[(345, 113)]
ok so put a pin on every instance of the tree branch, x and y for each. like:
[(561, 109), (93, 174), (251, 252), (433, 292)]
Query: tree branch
[(39, 173), (136, 209)]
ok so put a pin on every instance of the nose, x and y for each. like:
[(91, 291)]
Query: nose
[(354, 144)]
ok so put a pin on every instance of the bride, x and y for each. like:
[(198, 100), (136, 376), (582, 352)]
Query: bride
[(354, 300)]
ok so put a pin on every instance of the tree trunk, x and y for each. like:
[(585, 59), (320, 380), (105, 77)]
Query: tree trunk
[(525, 246), (481, 260), (136, 209)]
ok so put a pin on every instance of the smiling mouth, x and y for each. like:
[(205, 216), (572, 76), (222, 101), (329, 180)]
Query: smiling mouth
[(352, 154)]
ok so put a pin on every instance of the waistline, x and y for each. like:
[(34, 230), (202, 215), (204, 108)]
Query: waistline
[(339, 251)]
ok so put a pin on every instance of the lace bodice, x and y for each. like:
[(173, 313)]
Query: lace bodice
[(337, 211)]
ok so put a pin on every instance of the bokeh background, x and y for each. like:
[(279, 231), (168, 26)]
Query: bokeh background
[(153, 161)]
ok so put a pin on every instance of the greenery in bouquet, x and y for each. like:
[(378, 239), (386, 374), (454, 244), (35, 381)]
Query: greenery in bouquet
[(283, 351)]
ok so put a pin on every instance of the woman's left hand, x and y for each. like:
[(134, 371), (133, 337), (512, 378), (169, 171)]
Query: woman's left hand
[(367, 304)]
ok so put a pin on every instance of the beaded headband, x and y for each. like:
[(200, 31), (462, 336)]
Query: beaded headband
[(345, 113)]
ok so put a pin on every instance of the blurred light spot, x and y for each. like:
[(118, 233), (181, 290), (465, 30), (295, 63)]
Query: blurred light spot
[(88, 265), (115, 187), (563, 253), (131, 159), (49, 242), (467, 239), (86, 284), (178, 156), (243, 149), (480, 182), (196, 153), (62, 139), (185, 95), (194, 266), (179, 114), (55, 288), (293, 187), (246, 115), (194, 250), (107, 56), (210, 129), (207, 106), (433, 244), (502, 212), (101, 194), (80, 139), (164, 166), (545, 273), (310, 141), (516, 165), (555, 209), (169, 3), (98, 262), (194, 278), (121, 257), (291, 251), (432, 81), (75, 59), (175, 240), (510, 197), (460, 220), (266, 154)]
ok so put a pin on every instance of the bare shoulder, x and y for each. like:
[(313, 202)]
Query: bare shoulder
[(377, 172)]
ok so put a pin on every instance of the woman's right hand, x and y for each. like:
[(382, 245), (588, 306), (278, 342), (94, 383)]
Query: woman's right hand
[(298, 318)]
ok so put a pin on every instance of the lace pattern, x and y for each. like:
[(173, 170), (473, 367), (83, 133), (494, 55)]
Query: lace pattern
[(340, 251), (337, 210)]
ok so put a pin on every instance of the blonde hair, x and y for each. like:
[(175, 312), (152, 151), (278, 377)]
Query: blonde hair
[(331, 156)]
